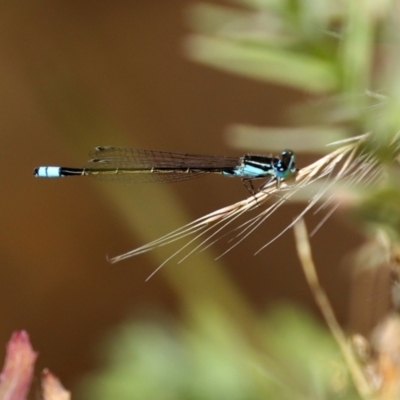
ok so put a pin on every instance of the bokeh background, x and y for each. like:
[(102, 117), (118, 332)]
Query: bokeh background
[(78, 74)]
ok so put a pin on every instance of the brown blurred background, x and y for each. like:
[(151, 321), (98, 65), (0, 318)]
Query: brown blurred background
[(75, 75)]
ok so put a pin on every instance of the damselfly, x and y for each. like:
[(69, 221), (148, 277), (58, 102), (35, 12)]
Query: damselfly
[(348, 165), (135, 165)]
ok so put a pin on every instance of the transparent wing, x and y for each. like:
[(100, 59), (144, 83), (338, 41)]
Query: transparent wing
[(138, 165)]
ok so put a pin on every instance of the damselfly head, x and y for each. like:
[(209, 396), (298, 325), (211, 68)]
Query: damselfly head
[(286, 164)]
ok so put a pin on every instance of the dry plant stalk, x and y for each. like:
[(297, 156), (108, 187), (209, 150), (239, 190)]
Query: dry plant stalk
[(305, 256), (345, 165)]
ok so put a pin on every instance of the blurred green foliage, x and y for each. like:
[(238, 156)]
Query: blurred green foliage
[(211, 359), (381, 210)]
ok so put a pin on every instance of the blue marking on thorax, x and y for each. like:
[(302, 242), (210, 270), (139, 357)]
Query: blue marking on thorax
[(254, 166), (250, 171)]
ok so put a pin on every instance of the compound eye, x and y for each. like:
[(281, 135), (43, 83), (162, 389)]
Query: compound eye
[(287, 153)]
